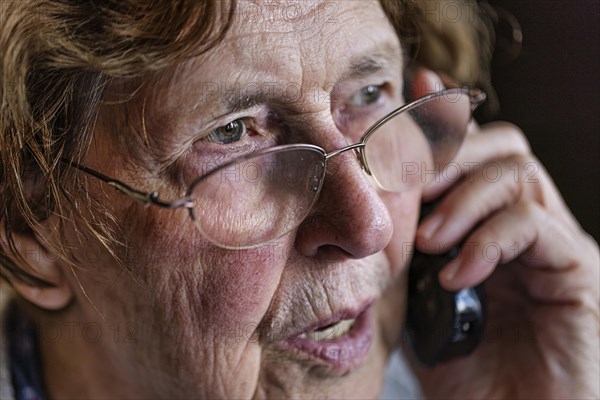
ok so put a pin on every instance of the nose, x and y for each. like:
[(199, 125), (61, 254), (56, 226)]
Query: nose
[(349, 219)]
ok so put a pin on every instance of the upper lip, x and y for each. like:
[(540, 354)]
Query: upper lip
[(273, 331), (302, 305)]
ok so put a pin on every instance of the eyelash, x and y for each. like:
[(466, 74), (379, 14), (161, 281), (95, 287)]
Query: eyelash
[(252, 137), (349, 114), (367, 90), (236, 124)]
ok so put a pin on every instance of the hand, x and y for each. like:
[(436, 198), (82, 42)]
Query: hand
[(543, 331)]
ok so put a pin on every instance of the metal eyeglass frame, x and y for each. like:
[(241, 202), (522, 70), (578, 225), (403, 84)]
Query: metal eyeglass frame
[(152, 198)]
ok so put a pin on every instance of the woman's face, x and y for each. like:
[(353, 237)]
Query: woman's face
[(208, 322)]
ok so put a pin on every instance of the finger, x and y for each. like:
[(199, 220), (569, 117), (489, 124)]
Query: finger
[(471, 201), (524, 230), (496, 141), (425, 82)]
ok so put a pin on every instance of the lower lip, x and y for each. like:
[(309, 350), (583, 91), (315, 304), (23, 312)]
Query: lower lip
[(342, 354)]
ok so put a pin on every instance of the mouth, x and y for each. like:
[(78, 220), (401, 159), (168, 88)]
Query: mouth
[(340, 342)]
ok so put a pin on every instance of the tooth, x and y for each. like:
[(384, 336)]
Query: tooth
[(323, 334), (333, 332)]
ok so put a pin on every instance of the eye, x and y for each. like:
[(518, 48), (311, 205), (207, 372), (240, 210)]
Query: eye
[(365, 96), (232, 132)]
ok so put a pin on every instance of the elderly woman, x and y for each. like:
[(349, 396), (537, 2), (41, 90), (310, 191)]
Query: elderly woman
[(258, 240)]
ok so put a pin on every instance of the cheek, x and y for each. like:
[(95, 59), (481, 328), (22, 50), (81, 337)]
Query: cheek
[(404, 210), (190, 302), (239, 285), (214, 287)]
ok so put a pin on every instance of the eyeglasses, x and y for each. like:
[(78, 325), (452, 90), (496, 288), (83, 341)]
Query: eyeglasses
[(264, 195)]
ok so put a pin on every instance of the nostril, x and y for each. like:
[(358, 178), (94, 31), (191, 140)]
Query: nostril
[(329, 254), (342, 234)]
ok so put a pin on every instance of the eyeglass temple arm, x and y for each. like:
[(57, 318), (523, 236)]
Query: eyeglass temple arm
[(145, 198)]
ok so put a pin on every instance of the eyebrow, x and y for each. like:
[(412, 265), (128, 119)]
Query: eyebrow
[(359, 67), (364, 66)]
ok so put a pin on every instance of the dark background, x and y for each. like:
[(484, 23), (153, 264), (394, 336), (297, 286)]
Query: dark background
[(552, 91)]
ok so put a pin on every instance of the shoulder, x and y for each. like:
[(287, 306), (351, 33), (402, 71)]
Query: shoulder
[(6, 388)]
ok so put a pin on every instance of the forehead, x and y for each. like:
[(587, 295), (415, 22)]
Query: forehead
[(309, 21), (295, 40)]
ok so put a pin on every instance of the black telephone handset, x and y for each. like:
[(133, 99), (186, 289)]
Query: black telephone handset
[(441, 325)]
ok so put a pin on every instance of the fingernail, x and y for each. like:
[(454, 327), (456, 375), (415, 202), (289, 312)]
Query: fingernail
[(430, 226), (451, 269)]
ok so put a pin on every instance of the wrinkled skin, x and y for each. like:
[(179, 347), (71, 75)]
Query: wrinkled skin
[(193, 320), (204, 319)]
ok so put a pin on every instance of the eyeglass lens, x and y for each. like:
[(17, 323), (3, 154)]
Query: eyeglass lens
[(412, 148), (258, 199)]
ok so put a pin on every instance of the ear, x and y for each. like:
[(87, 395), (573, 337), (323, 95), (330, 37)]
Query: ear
[(58, 293), (424, 81)]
